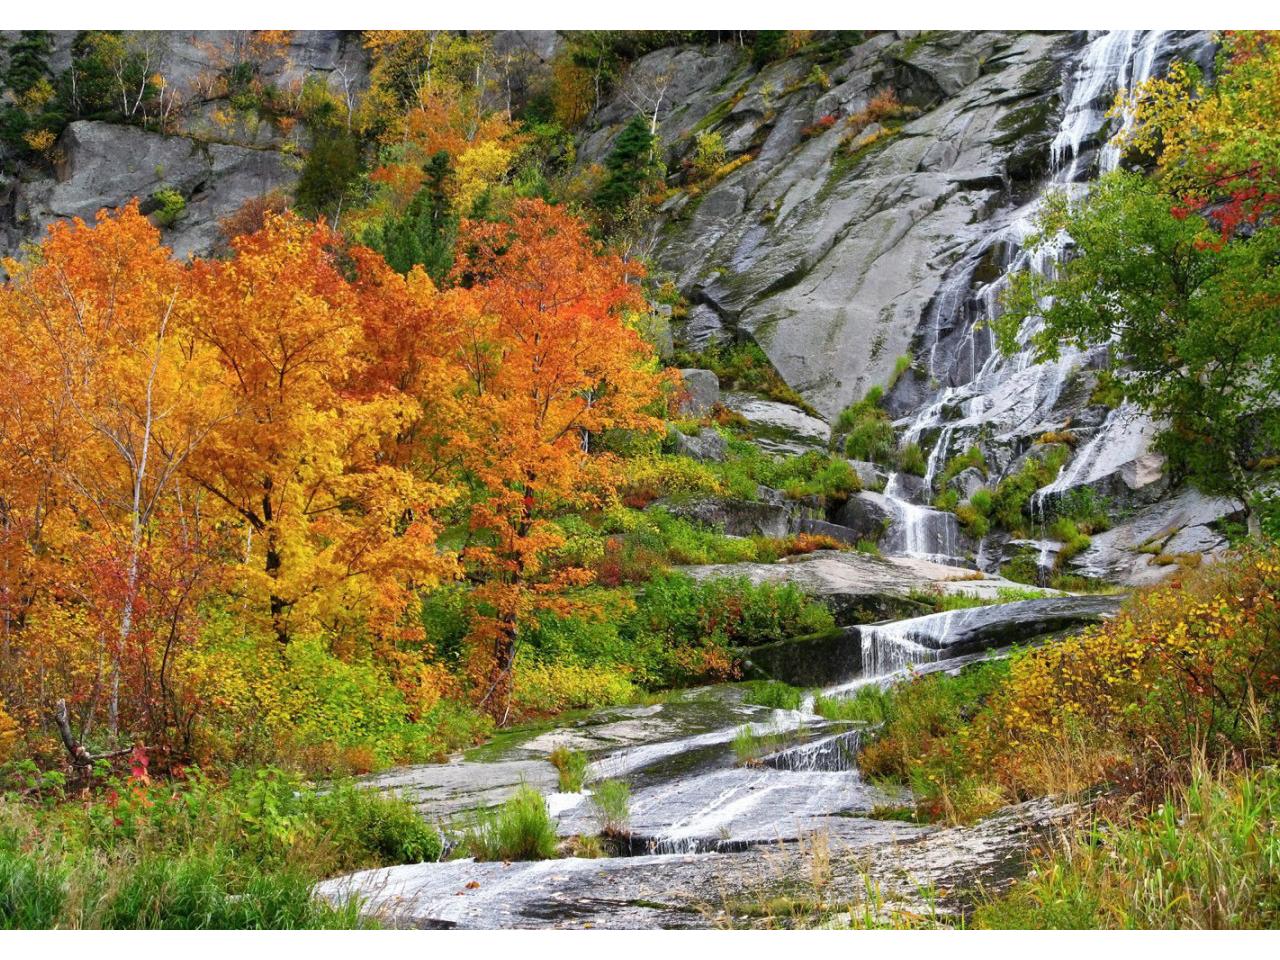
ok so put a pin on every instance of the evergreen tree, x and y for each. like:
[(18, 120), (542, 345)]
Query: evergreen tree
[(630, 165), (424, 234), (331, 165), (28, 60)]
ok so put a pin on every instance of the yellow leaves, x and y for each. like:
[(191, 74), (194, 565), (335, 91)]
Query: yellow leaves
[(9, 734), (41, 141), (479, 168)]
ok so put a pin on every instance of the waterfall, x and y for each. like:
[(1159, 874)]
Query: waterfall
[(1012, 392), (921, 532)]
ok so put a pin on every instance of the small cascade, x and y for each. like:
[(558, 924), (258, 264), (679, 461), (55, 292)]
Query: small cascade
[(834, 753), (917, 531), (889, 649)]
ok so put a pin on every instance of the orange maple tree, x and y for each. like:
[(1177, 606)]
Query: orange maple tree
[(549, 362)]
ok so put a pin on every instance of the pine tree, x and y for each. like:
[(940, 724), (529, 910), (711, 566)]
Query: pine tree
[(423, 235), (630, 164)]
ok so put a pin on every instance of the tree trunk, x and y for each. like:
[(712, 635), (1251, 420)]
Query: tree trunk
[(500, 675)]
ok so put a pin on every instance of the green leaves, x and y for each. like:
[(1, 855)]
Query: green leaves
[(1195, 320)]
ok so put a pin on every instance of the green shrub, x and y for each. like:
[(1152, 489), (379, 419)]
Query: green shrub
[(708, 153), (611, 800), (190, 854), (911, 459), (1014, 492), (331, 166), (867, 430), (572, 767), (170, 206), (947, 500), (732, 611), (900, 366), (919, 743), (870, 704), (1087, 509), (519, 829), (972, 457), (1072, 540), (974, 521)]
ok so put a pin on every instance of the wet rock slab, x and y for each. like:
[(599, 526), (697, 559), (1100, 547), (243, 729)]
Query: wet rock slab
[(701, 890), (440, 790)]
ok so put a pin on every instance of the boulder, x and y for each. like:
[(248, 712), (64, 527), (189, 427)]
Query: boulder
[(867, 515), (705, 445), (929, 870), (872, 475), (855, 587), (771, 515), (968, 481), (958, 632), (701, 391), (777, 427)]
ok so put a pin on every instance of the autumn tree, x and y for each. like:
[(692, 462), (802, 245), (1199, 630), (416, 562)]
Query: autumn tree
[(333, 535), (110, 398), (549, 361), (1217, 144)]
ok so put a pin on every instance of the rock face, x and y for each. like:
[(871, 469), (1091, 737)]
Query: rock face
[(1183, 524), (215, 156), (829, 261), (107, 164), (845, 238)]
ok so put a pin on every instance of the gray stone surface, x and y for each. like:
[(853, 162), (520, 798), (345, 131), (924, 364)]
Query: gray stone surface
[(702, 890), (770, 514), (1179, 524), (857, 587), (702, 389), (441, 790), (705, 445), (106, 165), (777, 427)]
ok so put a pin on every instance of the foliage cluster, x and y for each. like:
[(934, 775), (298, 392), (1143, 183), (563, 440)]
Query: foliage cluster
[(193, 854)]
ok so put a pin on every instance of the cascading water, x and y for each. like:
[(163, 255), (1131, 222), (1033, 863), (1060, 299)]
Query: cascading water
[(1012, 397)]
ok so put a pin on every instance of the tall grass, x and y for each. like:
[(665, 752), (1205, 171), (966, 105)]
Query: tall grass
[(195, 855), (571, 765), (519, 829), (612, 802), (1208, 858), (772, 693)]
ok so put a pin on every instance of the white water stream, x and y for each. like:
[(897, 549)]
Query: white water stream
[(982, 387)]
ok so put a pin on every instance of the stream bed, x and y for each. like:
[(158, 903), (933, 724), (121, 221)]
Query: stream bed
[(708, 831)]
